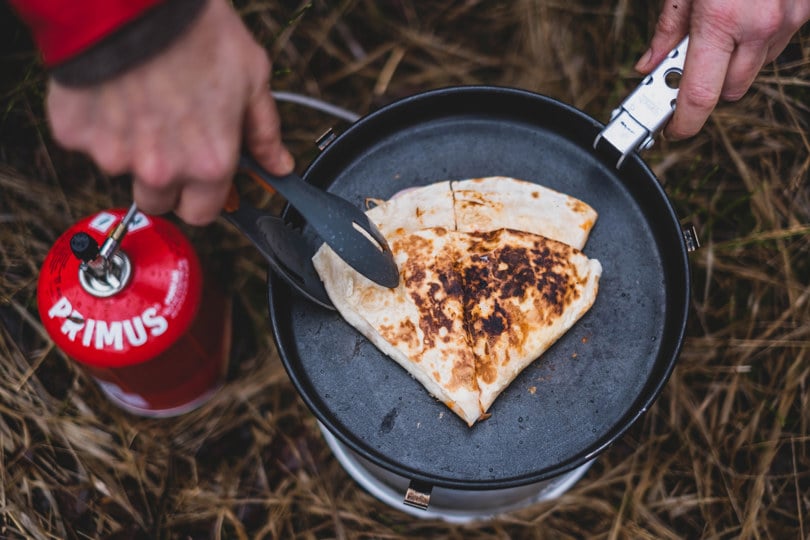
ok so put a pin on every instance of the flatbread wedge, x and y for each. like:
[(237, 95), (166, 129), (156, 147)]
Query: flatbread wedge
[(521, 293), (472, 310), (496, 202), (487, 204), (419, 324), (417, 208)]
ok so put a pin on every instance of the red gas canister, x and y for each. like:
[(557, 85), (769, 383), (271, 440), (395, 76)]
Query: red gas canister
[(145, 326)]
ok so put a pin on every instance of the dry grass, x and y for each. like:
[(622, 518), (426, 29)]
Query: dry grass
[(724, 453)]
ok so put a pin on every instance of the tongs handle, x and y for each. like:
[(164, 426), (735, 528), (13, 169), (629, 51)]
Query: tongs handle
[(345, 228), (233, 201), (288, 253)]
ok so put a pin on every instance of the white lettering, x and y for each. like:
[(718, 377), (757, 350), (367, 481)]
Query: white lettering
[(102, 222), (72, 325), (175, 278), (138, 222), (100, 334), (89, 326), (135, 332), (73, 319), (62, 308), (156, 323), (111, 334)]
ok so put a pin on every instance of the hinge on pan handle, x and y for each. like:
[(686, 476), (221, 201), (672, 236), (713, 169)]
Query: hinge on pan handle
[(690, 237), (644, 112)]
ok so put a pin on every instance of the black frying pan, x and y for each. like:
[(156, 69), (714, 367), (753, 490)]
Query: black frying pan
[(589, 387)]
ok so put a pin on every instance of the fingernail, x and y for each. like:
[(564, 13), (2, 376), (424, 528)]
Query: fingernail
[(645, 58)]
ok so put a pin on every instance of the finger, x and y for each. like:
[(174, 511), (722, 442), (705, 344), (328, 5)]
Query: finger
[(109, 150), (154, 187), (699, 91), (210, 172), (67, 115), (80, 120), (110, 156), (263, 134), (154, 200), (201, 203), (743, 68), (672, 26), (776, 48)]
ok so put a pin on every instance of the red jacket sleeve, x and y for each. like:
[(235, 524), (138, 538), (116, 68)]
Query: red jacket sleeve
[(65, 28)]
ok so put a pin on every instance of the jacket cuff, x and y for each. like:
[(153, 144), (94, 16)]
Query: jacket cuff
[(84, 42), (129, 46), (64, 28)]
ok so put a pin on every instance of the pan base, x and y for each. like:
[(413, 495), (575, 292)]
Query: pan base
[(449, 505)]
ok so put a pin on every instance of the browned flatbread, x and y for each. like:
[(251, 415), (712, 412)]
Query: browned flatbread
[(521, 293), (472, 309), (420, 324), (435, 333)]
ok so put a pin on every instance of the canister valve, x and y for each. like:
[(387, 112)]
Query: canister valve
[(84, 247), (104, 270)]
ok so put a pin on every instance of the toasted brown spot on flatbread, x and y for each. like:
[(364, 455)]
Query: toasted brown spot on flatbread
[(405, 333), (516, 269), (435, 302), (462, 375), (494, 325), (413, 275), (487, 370), (557, 282), (468, 199), (437, 295), (578, 206)]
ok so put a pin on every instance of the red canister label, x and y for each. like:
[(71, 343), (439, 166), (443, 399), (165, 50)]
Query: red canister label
[(141, 321), (159, 344)]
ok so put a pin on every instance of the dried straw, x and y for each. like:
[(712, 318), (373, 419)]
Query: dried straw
[(723, 453)]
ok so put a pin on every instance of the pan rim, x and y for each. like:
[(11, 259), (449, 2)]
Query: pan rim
[(650, 391)]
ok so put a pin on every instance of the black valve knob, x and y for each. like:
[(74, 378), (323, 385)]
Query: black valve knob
[(84, 247)]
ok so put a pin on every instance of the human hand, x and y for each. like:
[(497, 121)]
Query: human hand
[(729, 43), (178, 121)]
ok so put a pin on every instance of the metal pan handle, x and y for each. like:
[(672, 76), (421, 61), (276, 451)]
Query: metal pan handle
[(642, 114)]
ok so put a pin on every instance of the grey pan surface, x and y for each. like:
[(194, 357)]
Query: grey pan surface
[(589, 388)]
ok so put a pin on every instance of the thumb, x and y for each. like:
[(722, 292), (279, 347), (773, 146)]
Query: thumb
[(672, 26), (263, 134)]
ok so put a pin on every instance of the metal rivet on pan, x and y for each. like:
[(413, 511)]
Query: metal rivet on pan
[(418, 495), (690, 237), (325, 139)]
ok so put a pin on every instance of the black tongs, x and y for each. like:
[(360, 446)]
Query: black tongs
[(344, 227)]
